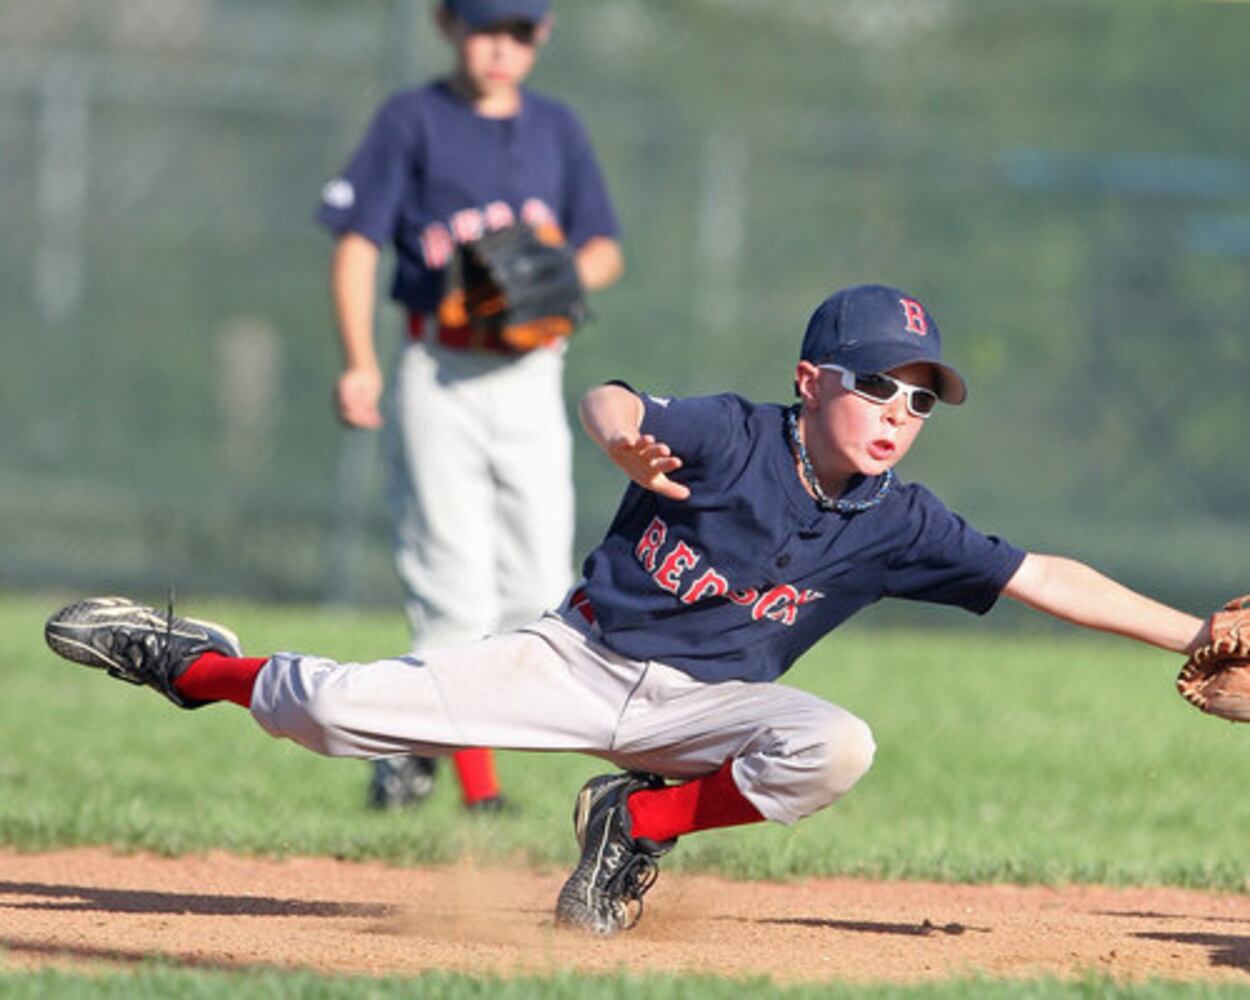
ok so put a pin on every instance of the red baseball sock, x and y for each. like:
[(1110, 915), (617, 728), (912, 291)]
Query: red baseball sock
[(214, 677), (702, 804), (476, 769)]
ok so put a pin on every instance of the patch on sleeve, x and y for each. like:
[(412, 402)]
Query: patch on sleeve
[(338, 193)]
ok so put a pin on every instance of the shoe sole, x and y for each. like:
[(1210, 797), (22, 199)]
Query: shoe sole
[(112, 612)]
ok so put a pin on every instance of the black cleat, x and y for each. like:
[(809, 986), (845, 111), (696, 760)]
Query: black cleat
[(604, 893), (136, 643), (401, 781)]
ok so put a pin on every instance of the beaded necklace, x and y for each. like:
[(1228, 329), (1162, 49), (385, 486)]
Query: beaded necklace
[(809, 475)]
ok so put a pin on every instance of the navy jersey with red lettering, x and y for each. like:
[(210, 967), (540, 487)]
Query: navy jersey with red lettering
[(742, 577), (431, 173)]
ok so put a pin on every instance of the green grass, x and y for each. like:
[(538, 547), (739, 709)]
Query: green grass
[(1041, 755), (1044, 756), (158, 981)]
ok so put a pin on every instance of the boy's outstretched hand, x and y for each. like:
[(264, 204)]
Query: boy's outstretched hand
[(648, 462)]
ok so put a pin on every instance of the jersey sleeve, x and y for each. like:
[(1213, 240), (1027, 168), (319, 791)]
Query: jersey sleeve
[(587, 209), (707, 433), (366, 197), (944, 560)]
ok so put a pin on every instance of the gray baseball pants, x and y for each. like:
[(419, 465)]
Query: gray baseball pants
[(553, 686)]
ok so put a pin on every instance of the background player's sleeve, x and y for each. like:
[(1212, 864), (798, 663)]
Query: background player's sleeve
[(365, 198), (586, 208), (942, 559)]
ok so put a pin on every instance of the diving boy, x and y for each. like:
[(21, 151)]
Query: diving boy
[(748, 532)]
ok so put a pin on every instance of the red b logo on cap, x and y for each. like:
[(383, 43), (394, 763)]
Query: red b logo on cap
[(913, 313)]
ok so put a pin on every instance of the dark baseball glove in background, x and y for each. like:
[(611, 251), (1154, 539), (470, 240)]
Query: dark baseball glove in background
[(516, 288), (1216, 677)]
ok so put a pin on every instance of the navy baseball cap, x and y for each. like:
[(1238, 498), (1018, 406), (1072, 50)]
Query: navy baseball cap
[(484, 13), (873, 328)]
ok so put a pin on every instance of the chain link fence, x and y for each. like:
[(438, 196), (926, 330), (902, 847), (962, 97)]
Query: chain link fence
[(1067, 186)]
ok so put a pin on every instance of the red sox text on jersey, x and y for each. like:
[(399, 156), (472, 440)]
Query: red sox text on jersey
[(677, 571), (438, 240)]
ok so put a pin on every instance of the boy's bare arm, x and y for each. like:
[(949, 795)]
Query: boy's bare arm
[(1077, 593), (353, 273), (612, 417)]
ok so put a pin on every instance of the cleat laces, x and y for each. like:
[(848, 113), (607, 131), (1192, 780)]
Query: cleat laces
[(637, 875)]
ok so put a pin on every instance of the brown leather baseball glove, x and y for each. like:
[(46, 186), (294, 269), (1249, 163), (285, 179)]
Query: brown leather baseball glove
[(517, 288), (1216, 677)]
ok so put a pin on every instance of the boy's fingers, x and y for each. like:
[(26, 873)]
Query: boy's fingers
[(674, 491), (627, 449), (647, 463)]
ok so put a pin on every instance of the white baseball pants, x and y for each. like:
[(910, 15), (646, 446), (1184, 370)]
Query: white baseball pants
[(478, 459), (552, 686)]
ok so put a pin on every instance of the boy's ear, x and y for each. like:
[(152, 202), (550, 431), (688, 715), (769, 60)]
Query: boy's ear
[(805, 387), (543, 33)]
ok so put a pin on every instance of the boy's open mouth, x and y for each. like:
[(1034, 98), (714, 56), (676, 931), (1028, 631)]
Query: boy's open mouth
[(881, 449)]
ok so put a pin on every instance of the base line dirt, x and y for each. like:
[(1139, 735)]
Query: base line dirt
[(90, 908)]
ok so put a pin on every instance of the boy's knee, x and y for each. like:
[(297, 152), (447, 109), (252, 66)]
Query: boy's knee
[(848, 750), (818, 763)]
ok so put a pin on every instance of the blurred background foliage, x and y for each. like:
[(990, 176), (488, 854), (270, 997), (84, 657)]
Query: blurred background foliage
[(1065, 184)]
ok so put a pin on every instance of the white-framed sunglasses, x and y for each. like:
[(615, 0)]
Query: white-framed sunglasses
[(880, 388)]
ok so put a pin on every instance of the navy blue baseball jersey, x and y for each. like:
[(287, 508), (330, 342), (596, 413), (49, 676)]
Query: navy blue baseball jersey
[(741, 578), (431, 173)]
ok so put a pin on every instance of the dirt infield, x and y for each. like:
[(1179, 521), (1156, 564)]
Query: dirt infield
[(86, 907)]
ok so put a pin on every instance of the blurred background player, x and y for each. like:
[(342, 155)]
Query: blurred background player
[(477, 448)]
